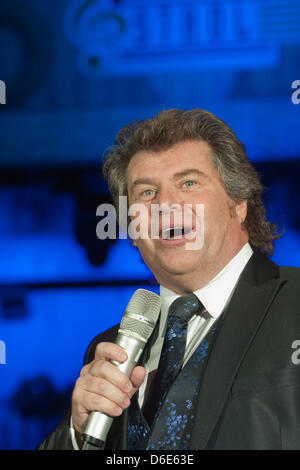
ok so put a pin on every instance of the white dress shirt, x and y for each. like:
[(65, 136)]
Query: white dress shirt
[(214, 296)]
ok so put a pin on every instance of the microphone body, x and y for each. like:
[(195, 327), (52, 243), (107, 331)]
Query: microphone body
[(136, 327), (99, 423)]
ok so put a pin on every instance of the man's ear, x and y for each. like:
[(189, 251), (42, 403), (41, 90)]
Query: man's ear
[(241, 211)]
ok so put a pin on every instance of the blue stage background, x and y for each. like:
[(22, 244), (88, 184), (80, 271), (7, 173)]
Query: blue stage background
[(75, 71)]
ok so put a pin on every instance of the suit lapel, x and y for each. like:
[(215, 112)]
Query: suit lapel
[(253, 296)]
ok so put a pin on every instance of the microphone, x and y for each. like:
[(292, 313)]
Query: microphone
[(136, 327)]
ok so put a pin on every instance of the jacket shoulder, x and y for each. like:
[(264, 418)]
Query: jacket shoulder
[(290, 273), (106, 336)]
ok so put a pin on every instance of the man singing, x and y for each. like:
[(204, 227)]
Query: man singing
[(217, 372)]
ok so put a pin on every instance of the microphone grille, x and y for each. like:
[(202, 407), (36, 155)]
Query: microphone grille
[(141, 313)]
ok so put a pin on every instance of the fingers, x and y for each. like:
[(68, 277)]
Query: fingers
[(101, 386), (110, 351), (105, 370), (93, 389), (87, 402)]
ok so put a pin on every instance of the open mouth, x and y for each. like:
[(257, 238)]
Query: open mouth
[(173, 233)]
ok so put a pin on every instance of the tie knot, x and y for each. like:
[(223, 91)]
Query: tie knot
[(185, 307)]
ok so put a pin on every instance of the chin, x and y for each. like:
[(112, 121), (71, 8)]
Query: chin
[(171, 262), (179, 266)]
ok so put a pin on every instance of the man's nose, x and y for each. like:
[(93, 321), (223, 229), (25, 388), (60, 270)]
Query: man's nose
[(169, 199)]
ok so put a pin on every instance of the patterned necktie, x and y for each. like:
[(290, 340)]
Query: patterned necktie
[(171, 359)]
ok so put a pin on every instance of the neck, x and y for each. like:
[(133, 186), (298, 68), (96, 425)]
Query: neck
[(185, 283)]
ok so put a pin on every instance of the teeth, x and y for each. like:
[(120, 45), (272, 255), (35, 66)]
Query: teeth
[(172, 232), (175, 232)]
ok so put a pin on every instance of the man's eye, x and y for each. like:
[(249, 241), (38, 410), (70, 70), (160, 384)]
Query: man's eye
[(189, 183), (148, 193)]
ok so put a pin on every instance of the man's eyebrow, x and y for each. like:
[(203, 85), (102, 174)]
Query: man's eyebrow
[(178, 175), (142, 181), (189, 171)]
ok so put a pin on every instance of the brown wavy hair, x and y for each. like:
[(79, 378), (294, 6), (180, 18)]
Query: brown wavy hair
[(240, 179)]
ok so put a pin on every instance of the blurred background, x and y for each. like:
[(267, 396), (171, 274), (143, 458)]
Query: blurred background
[(73, 73)]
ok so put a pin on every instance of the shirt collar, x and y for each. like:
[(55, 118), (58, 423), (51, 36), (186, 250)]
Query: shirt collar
[(216, 294)]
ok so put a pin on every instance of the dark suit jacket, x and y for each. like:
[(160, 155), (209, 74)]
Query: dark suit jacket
[(250, 395)]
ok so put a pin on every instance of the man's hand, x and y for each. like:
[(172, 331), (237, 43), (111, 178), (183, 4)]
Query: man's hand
[(102, 387)]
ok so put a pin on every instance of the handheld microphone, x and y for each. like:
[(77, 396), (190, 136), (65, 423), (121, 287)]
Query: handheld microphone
[(136, 327)]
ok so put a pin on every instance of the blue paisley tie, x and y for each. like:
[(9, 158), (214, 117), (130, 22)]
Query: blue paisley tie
[(171, 359)]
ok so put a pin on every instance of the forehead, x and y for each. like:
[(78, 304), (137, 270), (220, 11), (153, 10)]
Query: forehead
[(165, 163)]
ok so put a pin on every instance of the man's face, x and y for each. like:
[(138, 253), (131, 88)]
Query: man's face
[(185, 175)]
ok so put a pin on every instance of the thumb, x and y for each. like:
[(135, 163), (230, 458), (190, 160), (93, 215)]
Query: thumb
[(137, 378)]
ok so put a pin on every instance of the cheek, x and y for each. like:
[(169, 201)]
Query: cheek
[(139, 220), (147, 252), (217, 214)]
